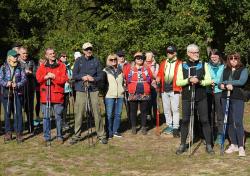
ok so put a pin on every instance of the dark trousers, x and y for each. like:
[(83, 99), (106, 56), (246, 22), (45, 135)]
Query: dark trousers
[(235, 121), (201, 107), (215, 112), (133, 106), (65, 107), (14, 106), (28, 104), (38, 104)]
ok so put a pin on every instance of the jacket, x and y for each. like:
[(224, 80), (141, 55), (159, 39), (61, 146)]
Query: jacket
[(131, 76), (57, 84), (19, 77), (83, 67), (161, 75), (115, 83), (215, 72)]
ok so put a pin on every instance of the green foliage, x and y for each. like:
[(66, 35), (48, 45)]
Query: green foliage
[(128, 25)]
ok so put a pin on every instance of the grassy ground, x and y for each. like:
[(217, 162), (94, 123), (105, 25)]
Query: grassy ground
[(133, 155)]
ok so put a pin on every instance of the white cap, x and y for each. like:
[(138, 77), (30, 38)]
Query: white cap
[(87, 45), (77, 54)]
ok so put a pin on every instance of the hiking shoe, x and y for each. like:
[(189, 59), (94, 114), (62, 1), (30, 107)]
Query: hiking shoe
[(176, 133), (209, 149), (149, 117), (133, 130), (232, 148), (103, 141), (144, 130), (242, 152), (74, 140), (110, 136), (168, 130), (19, 138), (182, 148), (116, 134), (219, 139), (36, 123), (59, 140), (7, 137)]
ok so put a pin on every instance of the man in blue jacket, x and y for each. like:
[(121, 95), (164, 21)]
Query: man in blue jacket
[(87, 69)]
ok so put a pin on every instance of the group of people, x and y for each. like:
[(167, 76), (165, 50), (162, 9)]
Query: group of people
[(204, 88)]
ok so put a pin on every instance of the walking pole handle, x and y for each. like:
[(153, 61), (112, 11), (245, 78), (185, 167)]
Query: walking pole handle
[(228, 93)]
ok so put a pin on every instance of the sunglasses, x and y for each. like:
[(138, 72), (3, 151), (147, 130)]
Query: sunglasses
[(88, 49), (112, 60), (233, 58), (139, 58), (63, 56)]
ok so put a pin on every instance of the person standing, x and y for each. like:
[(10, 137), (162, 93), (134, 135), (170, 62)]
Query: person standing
[(194, 74), (138, 78), (233, 79), (87, 69), (215, 67), (166, 77), (52, 77), (67, 90), (12, 81), (114, 95), (28, 66)]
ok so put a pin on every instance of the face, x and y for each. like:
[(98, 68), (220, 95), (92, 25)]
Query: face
[(121, 59), (113, 62), (193, 54), (50, 55), (88, 52), (23, 54), (63, 58), (149, 57), (171, 55), (215, 58), (139, 60), (233, 61)]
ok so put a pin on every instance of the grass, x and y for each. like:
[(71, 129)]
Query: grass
[(133, 155)]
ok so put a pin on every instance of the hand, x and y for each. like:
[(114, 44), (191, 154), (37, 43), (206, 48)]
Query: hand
[(51, 75), (229, 87), (222, 86), (158, 80), (194, 80), (85, 78), (28, 72), (9, 83), (90, 78), (13, 85)]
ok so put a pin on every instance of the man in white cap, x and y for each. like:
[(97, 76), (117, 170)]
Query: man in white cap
[(88, 71)]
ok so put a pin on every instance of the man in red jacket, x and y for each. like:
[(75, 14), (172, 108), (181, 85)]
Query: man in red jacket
[(52, 76)]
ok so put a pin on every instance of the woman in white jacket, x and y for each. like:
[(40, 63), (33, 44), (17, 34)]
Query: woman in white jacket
[(114, 96)]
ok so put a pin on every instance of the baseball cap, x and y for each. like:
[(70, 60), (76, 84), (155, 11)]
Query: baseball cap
[(87, 45), (171, 49), (12, 53), (120, 53)]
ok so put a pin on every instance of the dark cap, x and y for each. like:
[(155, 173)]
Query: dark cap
[(171, 49), (120, 53), (12, 53)]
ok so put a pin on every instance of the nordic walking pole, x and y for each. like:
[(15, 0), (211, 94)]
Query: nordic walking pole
[(225, 123), (89, 113), (158, 131), (27, 106), (191, 122)]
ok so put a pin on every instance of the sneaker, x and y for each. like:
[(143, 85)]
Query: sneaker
[(242, 152), (110, 136), (182, 148), (116, 134), (232, 148), (209, 149), (144, 130), (103, 141), (19, 138), (133, 130), (7, 137), (36, 123), (168, 130), (176, 133)]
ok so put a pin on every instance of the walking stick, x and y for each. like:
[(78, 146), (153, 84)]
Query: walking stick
[(46, 121), (225, 123), (27, 108), (89, 114), (158, 131)]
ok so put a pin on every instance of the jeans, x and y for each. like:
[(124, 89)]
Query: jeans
[(235, 120), (13, 105), (116, 105), (170, 102), (58, 109)]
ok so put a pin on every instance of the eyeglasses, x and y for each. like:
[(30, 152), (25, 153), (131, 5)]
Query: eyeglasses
[(112, 60), (88, 49), (139, 58), (64, 56), (194, 52), (233, 58)]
